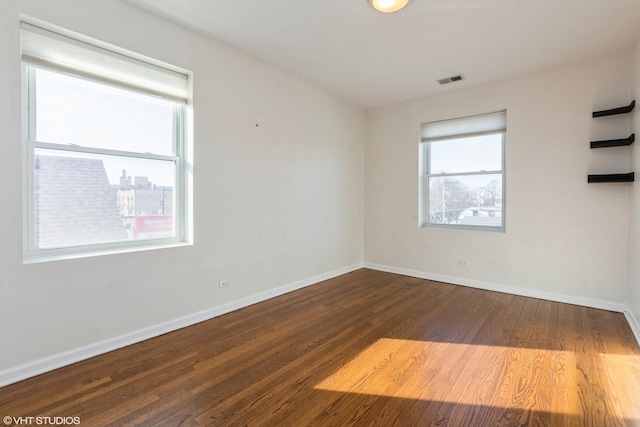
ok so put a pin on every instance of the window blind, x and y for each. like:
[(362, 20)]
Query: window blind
[(48, 49), (465, 126)]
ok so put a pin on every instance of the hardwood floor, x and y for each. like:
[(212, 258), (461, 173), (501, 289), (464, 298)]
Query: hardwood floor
[(369, 349)]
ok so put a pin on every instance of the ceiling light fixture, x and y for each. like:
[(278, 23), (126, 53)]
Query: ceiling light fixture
[(388, 6)]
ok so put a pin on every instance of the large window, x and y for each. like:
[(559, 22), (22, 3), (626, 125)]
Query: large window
[(462, 176), (105, 148)]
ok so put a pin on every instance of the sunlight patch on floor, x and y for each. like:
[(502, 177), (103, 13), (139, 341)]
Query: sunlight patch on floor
[(618, 368), (449, 372)]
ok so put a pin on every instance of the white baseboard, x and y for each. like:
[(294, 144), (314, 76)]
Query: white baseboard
[(533, 293), (633, 322), (49, 363)]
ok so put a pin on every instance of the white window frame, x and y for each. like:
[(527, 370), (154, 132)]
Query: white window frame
[(464, 127), (163, 81)]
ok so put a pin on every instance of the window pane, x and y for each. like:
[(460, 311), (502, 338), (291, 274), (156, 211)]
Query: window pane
[(70, 110), (87, 199), (470, 154), (466, 200)]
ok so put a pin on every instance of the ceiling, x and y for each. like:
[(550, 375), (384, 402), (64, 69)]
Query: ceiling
[(372, 59)]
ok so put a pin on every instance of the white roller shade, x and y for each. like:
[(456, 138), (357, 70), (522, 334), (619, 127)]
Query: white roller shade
[(49, 49), (465, 126)]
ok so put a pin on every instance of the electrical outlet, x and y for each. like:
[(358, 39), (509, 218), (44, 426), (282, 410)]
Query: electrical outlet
[(463, 263), (224, 283)]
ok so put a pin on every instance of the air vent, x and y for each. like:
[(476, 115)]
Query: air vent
[(451, 79)]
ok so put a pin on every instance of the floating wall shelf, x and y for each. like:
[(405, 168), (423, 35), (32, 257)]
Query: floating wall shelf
[(614, 142), (613, 177), (614, 111)]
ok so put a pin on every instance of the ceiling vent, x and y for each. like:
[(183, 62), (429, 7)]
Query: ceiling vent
[(451, 79)]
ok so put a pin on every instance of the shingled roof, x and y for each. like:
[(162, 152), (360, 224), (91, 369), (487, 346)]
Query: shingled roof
[(74, 203)]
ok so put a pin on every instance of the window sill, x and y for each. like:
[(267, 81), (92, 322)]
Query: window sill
[(68, 254), (463, 228)]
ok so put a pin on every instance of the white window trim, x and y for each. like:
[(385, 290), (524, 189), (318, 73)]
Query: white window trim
[(182, 156), (424, 172)]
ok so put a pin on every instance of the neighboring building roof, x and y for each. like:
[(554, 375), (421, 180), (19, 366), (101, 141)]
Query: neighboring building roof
[(74, 203)]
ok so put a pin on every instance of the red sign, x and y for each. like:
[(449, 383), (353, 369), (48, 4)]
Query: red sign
[(151, 226)]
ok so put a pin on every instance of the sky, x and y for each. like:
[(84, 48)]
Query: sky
[(474, 154), (80, 112)]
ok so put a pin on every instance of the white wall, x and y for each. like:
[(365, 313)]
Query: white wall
[(634, 213), (563, 236), (274, 205)]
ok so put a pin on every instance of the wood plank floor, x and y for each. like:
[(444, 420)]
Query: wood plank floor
[(369, 349)]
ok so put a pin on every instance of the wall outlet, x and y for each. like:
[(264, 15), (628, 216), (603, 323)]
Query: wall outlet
[(224, 283), (463, 263)]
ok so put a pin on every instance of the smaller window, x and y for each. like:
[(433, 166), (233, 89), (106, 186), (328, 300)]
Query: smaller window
[(462, 176)]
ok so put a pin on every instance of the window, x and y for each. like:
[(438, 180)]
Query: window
[(462, 176), (105, 148)]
